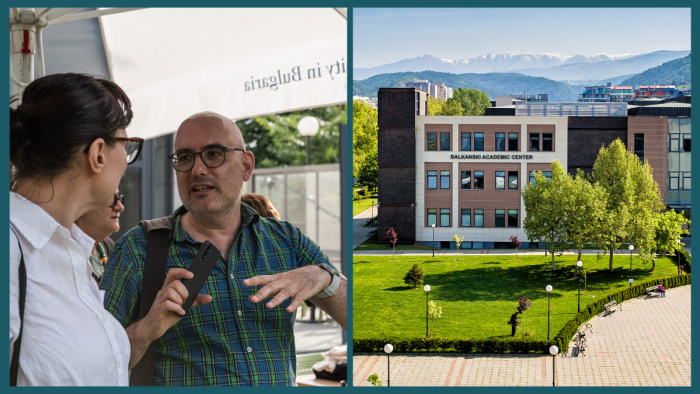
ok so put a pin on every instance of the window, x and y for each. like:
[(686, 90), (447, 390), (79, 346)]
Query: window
[(547, 142), (500, 141), (478, 218), (535, 142), (479, 142), (639, 145), (466, 141), (500, 180), (444, 179), (432, 179), (444, 141), (674, 143), (672, 181), (512, 218), (466, 218), (417, 103), (686, 143), (512, 179), (513, 141), (432, 217), (432, 141), (478, 180), (547, 175), (686, 181), (466, 180), (500, 218), (445, 217)]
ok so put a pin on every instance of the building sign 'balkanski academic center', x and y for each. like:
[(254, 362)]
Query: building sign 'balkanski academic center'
[(464, 174)]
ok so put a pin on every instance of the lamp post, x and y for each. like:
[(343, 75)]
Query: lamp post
[(372, 210), (554, 350), (388, 349), (549, 289), (631, 249), (579, 264), (308, 127), (433, 246), (678, 252), (427, 289)]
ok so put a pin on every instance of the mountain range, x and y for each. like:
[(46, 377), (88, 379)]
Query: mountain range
[(548, 65)]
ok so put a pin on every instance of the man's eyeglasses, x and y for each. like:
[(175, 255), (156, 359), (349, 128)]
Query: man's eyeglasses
[(212, 158), (133, 148), (117, 198)]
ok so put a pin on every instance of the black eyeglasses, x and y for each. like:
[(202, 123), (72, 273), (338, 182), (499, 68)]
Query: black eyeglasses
[(133, 148), (212, 158), (117, 198)]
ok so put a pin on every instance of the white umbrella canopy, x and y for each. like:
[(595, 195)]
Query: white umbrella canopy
[(238, 62)]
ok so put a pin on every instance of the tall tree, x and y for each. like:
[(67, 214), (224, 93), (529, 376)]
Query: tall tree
[(473, 101), (276, 142), (632, 198), (364, 143), (668, 231), (585, 210)]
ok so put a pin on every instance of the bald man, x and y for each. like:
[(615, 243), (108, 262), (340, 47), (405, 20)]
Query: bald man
[(245, 336)]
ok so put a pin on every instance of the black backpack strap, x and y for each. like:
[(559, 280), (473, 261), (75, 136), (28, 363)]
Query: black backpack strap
[(14, 364), (108, 244), (159, 234)]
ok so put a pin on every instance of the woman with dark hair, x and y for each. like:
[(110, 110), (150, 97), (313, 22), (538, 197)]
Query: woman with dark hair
[(261, 204), (69, 149)]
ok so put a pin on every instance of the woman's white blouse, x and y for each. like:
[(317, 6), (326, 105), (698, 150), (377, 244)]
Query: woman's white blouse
[(69, 339)]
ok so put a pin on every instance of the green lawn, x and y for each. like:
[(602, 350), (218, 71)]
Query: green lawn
[(478, 294), (371, 244), (362, 205)]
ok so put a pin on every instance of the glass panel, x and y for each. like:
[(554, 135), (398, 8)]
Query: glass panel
[(686, 143), (686, 181), (478, 218), (466, 217), (684, 196), (674, 162), (512, 141), (548, 175), (535, 142), (673, 183), (272, 187), (466, 141), (444, 179), (130, 187), (432, 141), (500, 218), (466, 245), (673, 196), (297, 197), (532, 176), (684, 125), (685, 161), (478, 180), (675, 143), (500, 141), (512, 218), (432, 179), (432, 217), (444, 141), (500, 180), (547, 142), (478, 245), (466, 179), (478, 141), (328, 214), (444, 218), (512, 179)]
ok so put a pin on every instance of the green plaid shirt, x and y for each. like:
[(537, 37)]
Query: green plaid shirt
[(230, 341)]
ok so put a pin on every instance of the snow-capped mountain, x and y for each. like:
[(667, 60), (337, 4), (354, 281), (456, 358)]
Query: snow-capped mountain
[(510, 61)]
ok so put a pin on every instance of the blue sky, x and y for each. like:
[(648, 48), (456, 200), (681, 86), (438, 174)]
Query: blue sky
[(387, 35)]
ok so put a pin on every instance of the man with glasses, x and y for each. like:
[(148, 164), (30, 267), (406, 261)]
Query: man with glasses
[(237, 339)]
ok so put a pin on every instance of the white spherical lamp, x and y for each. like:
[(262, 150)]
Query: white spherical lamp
[(426, 287), (631, 247), (553, 350), (549, 288), (308, 126), (388, 348), (579, 263)]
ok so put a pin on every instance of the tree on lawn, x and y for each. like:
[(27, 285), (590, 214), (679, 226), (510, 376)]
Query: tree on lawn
[(545, 204), (414, 276), (668, 231), (632, 199), (434, 312), (524, 304), (585, 210), (391, 234), (458, 242), (364, 143), (515, 242)]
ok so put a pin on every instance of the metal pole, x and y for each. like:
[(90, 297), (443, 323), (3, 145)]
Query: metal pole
[(426, 314), (579, 290), (554, 369), (308, 150), (549, 308), (679, 261), (433, 241), (388, 370), (630, 268)]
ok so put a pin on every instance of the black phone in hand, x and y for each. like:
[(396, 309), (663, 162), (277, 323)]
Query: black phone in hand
[(202, 266)]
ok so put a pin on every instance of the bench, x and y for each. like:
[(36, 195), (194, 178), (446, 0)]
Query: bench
[(651, 291), (611, 306)]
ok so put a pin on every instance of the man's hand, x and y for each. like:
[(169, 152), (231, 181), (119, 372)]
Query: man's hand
[(299, 284), (166, 310)]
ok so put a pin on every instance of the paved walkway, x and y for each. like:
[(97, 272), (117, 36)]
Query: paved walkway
[(647, 343), (448, 252), (360, 233)]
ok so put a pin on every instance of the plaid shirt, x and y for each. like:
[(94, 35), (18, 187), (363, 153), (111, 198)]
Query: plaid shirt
[(230, 341)]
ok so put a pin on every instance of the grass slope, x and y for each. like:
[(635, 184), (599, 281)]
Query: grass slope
[(359, 206), (478, 294)]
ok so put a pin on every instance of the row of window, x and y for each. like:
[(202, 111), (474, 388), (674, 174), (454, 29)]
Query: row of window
[(441, 141), (679, 180), (675, 145), (465, 220), (467, 182)]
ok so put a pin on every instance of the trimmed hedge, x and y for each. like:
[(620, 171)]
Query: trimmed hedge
[(512, 345), (685, 260)]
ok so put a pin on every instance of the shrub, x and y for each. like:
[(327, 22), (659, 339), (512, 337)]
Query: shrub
[(374, 379), (414, 277), (685, 260), (362, 192)]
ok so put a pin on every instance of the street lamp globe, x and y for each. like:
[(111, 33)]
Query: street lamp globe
[(579, 263), (433, 225), (679, 241), (553, 350), (388, 348), (426, 287), (308, 126), (549, 288), (631, 247)]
